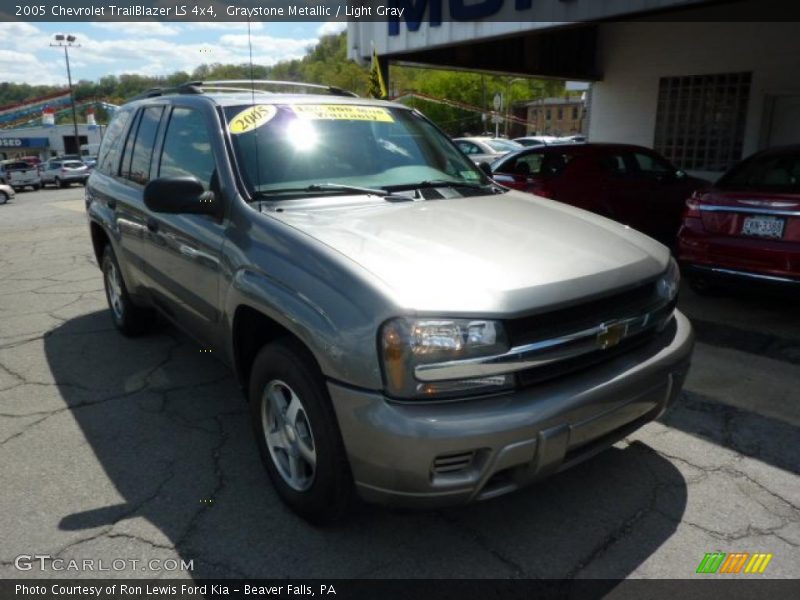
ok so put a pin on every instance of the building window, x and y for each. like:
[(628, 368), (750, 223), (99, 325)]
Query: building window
[(574, 112), (700, 120), (547, 114), (560, 114)]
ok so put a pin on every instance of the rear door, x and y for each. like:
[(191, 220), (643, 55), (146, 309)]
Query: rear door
[(120, 192), (183, 251), (624, 195)]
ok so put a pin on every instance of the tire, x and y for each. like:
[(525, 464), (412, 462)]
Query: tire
[(286, 382), (37, 187), (130, 319), (3, 198), (58, 183)]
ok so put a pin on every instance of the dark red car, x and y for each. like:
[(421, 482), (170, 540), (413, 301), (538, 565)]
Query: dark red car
[(630, 184), (747, 226)]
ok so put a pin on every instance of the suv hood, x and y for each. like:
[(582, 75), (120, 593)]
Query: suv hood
[(504, 254)]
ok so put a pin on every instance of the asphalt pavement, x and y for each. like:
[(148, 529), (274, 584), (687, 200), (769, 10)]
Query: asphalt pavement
[(141, 450)]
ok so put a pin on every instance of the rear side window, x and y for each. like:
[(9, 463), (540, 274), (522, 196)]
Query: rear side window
[(468, 148), (187, 147), (137, 169), (108, 156), (774, 173), (55, 165)]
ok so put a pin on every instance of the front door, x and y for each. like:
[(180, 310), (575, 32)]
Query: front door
[(183, 250)]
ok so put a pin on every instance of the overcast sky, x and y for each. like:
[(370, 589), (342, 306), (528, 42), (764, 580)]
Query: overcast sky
[(150, 48)]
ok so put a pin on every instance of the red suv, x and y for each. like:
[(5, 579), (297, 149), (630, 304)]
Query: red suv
[(747, 226), (630, 184)]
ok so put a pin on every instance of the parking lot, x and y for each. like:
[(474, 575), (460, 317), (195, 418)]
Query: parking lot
[(141, 450)]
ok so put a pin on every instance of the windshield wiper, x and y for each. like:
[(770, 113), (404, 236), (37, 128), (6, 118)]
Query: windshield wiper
[(435, 183), (323, 187), (335, 188)]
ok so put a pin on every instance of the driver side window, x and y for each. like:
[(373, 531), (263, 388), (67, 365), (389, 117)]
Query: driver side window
[(651, 166), (187, 147)]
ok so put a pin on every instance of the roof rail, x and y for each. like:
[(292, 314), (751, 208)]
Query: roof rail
[(223, 84), (189, 87)]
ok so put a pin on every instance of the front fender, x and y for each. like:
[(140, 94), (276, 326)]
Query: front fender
[(342, 341)]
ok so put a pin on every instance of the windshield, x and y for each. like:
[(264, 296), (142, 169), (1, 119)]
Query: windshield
[(503, 145), (293, 146), (18, 166), (773, 172)]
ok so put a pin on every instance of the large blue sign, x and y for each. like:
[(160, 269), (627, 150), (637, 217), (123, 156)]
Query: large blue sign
[(414, 11), (22, 142)]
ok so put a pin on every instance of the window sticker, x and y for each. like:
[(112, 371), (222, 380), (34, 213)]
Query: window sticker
[(343, 112), (251, 118)]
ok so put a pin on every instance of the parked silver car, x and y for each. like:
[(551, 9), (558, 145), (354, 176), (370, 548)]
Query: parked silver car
[(6, 193), (19, 174), (61, 173), (403, 327), (486, 149)]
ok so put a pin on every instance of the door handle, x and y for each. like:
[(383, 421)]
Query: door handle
[(188, 251), (152, 224)]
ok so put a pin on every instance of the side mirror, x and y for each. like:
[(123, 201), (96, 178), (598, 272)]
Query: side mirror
[(485, 167), (179, 195)]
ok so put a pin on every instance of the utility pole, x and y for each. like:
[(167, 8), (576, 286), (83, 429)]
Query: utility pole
[(67, 42)]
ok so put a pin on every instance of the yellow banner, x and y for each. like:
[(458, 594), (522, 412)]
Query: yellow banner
[(251, 118), (344, 112)]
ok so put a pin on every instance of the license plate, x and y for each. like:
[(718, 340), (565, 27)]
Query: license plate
[(771, 227)]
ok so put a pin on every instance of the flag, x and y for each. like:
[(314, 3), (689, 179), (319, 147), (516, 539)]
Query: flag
[(376, 87)]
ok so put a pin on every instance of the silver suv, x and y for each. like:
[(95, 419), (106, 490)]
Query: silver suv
[(403, 327)]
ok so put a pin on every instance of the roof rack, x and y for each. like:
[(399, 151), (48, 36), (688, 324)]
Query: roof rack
[(232, 85), (269, 82)]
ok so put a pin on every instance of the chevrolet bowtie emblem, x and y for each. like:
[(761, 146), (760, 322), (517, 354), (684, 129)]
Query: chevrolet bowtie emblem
[(610, 336)]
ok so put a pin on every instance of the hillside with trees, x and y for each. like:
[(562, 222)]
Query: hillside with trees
[(326, 62)]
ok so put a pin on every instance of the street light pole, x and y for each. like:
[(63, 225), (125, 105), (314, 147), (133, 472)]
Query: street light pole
[(67, 42)]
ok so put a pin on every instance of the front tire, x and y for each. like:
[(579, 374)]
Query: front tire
[(3, 198), (297, 433), (130, 319)]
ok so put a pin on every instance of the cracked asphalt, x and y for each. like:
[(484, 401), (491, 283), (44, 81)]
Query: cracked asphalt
[(141, 449)]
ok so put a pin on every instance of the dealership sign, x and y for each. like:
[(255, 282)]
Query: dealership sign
[(459, 11), (16, 142), (433, 13)]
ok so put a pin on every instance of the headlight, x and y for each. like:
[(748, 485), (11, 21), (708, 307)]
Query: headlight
[(670, 281), (407, 343)]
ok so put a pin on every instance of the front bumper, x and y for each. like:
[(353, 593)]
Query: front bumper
[(435, 454)]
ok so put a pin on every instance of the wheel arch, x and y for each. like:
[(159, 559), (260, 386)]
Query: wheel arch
[(251, 330)]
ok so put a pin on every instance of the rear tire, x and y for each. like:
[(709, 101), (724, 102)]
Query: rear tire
[(3, 198), (59, 184), (130, 319), (297, 433)]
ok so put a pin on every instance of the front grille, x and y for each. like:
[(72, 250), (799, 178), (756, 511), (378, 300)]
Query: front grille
[(630, 303), (552, 324)]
